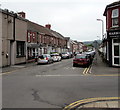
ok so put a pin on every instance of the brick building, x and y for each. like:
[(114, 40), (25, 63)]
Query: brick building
[(22, 40), (112, 14)]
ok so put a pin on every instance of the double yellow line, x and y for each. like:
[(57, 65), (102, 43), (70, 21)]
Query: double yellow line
[(89, 100), (87, 70)]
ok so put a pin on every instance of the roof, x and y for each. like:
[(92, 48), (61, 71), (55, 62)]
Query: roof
[(43, 30), (36, 27), (114, 4), (73, 42), (12, 14), (56, 34)]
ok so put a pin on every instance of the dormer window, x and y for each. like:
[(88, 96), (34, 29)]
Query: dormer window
[(115, 15)]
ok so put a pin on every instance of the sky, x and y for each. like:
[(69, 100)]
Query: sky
[(76, 19)]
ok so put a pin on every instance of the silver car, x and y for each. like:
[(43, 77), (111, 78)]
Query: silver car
[(56, 57), (65, 55), (44, 58)]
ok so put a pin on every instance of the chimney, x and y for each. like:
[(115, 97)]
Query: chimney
[(48, 26), (21, 14)]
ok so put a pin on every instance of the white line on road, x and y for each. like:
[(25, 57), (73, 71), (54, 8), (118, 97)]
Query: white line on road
[(76, 75), (56, 75)]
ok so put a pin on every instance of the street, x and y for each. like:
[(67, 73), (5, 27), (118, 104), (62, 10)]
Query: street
[(56, 85), (62, 55)]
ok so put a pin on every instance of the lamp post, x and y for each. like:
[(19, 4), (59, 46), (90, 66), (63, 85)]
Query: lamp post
[(102, 27)]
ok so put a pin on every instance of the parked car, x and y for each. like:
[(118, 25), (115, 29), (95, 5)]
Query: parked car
[(56, 57), (90, 55), (65, 55), (44, 58), (75, 53), (71, 54), (81, 60)]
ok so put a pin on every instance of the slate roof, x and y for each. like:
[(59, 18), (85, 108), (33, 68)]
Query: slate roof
[(56, 34), (39, 28), (36, 27)]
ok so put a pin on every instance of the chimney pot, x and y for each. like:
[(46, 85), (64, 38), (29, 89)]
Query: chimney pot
[(48, 26), (21, 14)]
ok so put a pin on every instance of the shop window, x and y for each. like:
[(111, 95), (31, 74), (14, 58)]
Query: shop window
[(115, 15), (116, 60), (20, 48)]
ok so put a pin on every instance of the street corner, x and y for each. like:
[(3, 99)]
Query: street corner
[(97, 102)]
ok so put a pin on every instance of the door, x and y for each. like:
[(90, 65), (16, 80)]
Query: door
[(116, 52)]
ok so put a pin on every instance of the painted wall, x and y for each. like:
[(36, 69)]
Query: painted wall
[(8, 50)]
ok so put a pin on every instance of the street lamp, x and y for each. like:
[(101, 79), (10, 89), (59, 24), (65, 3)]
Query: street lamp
[(102, 27)]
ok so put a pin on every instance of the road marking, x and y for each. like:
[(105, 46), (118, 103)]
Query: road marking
[(57, 75), (87, 70), (89, 100), (6, 73), (107, 75), (70, 68), (90, 70)]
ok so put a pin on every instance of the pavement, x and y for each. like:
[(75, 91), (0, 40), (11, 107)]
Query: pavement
[(95, 103), (103, 67), (17, 67)]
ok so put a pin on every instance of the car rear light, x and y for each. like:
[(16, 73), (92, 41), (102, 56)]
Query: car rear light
[(46, 58)]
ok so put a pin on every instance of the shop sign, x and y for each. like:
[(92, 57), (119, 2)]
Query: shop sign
[(114, 34)]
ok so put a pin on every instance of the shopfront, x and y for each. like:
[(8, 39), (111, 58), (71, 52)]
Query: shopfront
[(114, 47)]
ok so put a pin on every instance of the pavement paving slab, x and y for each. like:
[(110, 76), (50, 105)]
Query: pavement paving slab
[(103, 67)]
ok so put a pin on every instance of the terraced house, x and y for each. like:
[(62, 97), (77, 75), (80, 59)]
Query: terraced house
[(42, 40), (22, 40)]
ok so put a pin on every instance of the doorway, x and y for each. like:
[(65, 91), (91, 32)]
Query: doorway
[(116, 52)]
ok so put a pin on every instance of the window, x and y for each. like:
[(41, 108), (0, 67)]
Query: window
[(29, 37), (20, 48), (115, 14), (116, 50)]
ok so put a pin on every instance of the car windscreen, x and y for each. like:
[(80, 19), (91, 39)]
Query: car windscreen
[(54, 55), (80, 56)]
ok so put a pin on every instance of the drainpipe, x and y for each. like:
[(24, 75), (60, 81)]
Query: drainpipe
[(14, 16)]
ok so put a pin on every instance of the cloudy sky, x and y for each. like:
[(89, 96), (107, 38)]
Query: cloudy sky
[(72, 18)]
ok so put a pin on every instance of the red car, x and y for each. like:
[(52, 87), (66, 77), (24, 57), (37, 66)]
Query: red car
[(81, 60)]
